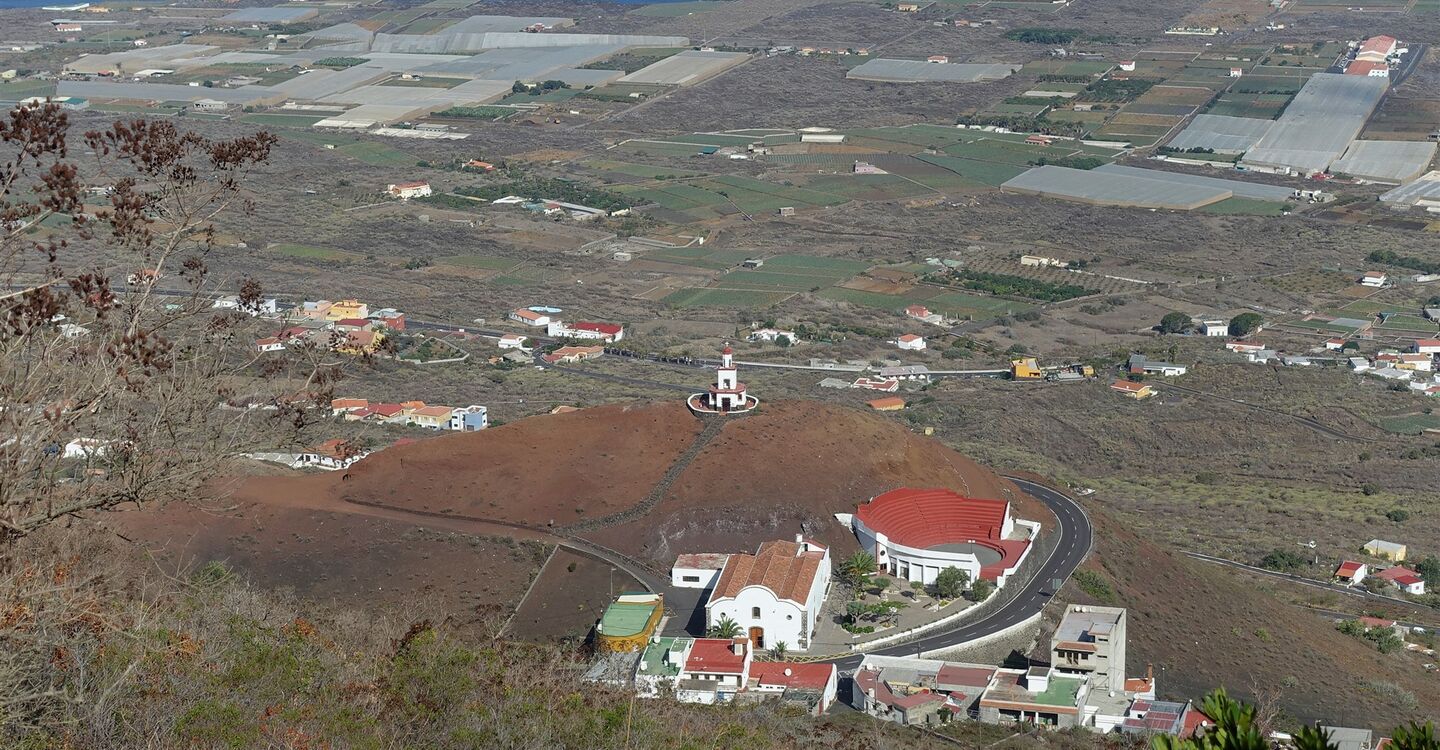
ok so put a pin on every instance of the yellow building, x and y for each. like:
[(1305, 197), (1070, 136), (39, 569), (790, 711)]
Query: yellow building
[(346, 309), (1027, 368), (629, 622), (1392, 551), (1132, 389), (434, 417)]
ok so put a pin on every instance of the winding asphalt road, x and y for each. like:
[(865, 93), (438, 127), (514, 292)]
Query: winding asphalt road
[(1076, 536)]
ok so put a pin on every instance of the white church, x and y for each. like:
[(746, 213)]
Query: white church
[(728, 395)]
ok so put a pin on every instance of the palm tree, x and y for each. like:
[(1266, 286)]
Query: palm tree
[(779, 650), (724, 628), (1415, 736), (855, 568)]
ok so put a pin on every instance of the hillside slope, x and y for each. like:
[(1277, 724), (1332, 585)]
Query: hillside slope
[(1201, 627)]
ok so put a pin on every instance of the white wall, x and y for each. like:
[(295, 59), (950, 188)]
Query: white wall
[(781, 620), (704, 578)]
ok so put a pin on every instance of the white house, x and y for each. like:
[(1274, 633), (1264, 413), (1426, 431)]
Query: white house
[(1215, 328), (1374, 279), (1404, 579), (910, 341), (512, 341), (1426, 346), (469, 419), (85, 448), (697, 571), (715, 670), (270, 344), (607, 332), (529, 317), (774, 595), (269, 306), (771, 334), (407, 190), (1351, 572)]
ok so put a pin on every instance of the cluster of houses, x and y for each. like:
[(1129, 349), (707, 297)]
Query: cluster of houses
[(545, 317), (348, 326), (549, 207), (1354, 573), (413, 413), (1374, 56), (1414, 367), (1139, 364)]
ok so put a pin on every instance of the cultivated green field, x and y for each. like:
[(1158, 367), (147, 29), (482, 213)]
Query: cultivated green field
[(1410, 424), (18, 90), (277, 120), (952, 303), (1245, 207)]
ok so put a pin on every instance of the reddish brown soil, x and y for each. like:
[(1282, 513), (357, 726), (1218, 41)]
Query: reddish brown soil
[(1203, 627), (354, 559), (560, 467), (564, 603), (790, 468)]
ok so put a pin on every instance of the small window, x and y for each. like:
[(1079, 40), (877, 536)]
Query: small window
[(690, 579), (755, 612)]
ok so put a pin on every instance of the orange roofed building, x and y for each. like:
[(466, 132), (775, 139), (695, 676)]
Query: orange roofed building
[(889, 403), (775, 594)]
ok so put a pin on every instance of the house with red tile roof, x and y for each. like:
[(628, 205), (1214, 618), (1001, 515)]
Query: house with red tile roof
[(774, 595), (917, 691), (1404, 579), (1426, 346), (529, 317), (809, 686), (916, 533), (585, 329), (1377, 48), (717, 670), (1351, 572)]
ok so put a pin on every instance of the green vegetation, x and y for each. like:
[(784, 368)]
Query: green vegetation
[(451, 201), (1041, 35), (636, 59), (951, 583), (1176, 322), (1017, 286), (1284, 561), (546, 188), (340, 62), (1386, 640), (1237, 726), (980, 590), (1410, 424), (476, 113), (1245, 324), (743, 299), (1095, 585), (1390, 257), (1117, 90), (1073, 162)]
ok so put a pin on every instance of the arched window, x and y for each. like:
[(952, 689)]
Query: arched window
[(755, 612)]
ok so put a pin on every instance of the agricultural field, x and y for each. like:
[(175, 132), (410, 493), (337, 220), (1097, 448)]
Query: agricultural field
[(1404, 119), (310, 252), (17, 90), (482, 262), (956, 304), (1410, 424), (1256, 106), (367, 152), (1244, 207), (710, 197), (736, 298), (278, 120), (672, 10)]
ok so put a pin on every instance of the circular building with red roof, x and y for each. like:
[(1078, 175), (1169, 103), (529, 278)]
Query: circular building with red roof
[(916, 533)]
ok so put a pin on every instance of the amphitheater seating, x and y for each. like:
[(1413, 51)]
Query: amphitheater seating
[(927, 518)]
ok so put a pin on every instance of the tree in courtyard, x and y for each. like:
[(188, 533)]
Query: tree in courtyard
[(856, 568), (951, 583), (981, 590), (1245, 324), (779, 650), (1176, 322), (115, 370), (723, 628)]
